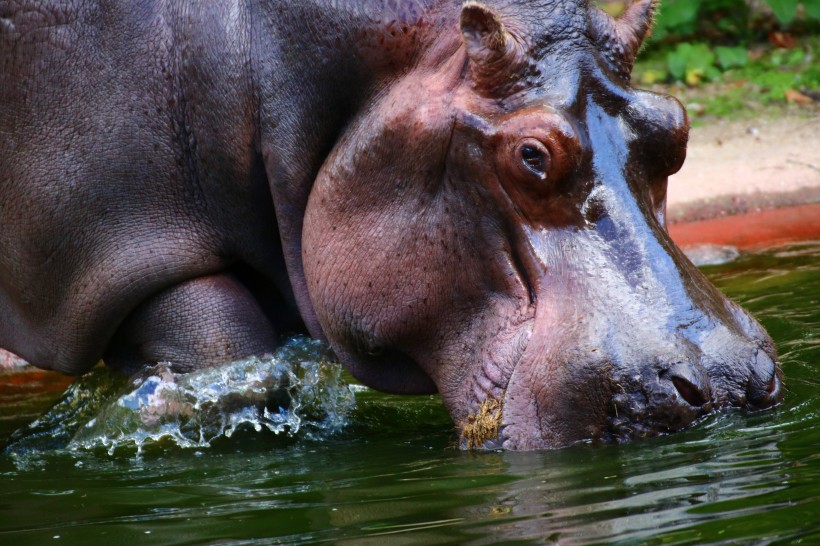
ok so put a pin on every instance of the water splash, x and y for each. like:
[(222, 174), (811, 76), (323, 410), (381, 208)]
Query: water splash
[(709, 254), (298, 390)]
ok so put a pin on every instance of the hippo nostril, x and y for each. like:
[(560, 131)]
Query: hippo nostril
[(764, 387), (774, 387), (689, 392), (689, 384)]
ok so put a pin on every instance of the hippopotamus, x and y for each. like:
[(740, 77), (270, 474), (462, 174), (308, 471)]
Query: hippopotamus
[(459, 197)]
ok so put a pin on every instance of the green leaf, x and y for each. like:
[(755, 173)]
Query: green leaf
[(676, 61), (812, 8), (676, 17), (711, 73), (701, 57), (732, 57), (691, 63), (784, 10), (675, 13), (796, 57)]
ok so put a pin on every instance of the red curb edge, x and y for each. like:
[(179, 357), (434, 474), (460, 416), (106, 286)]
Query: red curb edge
[(754, 230)]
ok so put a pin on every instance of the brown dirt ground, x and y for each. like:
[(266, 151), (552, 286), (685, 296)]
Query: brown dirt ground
[(748, 165)]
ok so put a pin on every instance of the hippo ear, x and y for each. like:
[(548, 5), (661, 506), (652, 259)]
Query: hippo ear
[(492, 50), (620, 39)]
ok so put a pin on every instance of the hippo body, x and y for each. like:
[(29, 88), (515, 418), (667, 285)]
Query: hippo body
[(460, 197)]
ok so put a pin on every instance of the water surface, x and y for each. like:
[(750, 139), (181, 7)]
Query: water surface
[(385, 470)]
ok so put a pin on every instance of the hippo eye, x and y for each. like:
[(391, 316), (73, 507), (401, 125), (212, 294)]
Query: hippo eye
[(534, 157)]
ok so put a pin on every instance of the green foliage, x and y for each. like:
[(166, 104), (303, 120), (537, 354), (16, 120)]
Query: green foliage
[(692, 63), (773, 84), (696, 41), (681, 18), (784, 10), (676, 17), (742, 81), (812, 8), (698, 62), (732, 57)]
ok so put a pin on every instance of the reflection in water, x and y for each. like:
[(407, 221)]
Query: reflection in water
[(390, 470), (629, 492)]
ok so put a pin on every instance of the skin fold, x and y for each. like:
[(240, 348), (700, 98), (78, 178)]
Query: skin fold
[(460, 197)]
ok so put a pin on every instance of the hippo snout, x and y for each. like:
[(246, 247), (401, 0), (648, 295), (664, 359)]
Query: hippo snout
[(685, 391), (657, 402), (612, 400)]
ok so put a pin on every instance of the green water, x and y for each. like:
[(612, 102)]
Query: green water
[(392, 476)]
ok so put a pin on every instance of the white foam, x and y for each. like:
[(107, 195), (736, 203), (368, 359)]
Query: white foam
[(297, 391)]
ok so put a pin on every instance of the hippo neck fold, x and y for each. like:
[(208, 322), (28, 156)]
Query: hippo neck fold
[(331, 57)]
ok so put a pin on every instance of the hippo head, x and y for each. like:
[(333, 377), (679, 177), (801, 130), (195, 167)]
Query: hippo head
[(492, 227)]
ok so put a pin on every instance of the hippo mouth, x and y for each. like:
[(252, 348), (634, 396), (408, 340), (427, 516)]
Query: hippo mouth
[(624, 407), (483, 427), (631, 412)]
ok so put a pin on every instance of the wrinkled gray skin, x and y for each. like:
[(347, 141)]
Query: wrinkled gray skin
[(184, 181)]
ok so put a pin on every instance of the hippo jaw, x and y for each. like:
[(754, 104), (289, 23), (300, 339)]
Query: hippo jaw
[(497, 233)]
